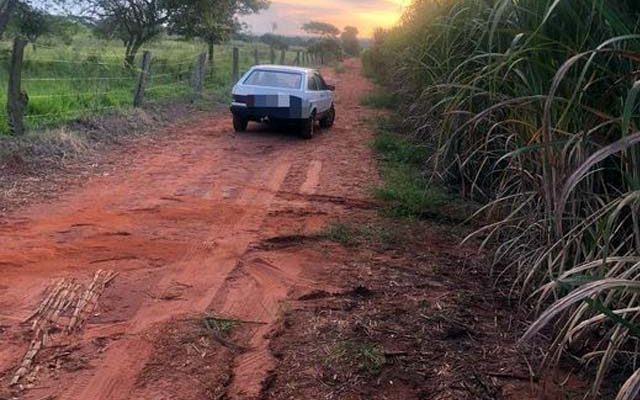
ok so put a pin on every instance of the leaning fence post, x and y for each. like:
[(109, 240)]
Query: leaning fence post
[(272, 55), (138, 97), (198, 76), (236, 66), (16, 99), (256, 57)]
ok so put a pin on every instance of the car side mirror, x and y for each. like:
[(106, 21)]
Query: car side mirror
[(331, 87)]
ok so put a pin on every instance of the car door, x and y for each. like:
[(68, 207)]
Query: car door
[(326, 96), (314, 95)]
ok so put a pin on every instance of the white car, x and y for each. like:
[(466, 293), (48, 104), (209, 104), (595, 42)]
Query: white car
[(276, 93)]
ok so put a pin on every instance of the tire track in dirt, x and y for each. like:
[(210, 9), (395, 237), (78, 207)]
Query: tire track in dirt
[(181, 225), (201, 269)]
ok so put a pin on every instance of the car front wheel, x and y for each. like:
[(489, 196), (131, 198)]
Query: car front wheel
[(240, 123)]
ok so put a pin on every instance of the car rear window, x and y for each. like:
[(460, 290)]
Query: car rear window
[(277, 79)]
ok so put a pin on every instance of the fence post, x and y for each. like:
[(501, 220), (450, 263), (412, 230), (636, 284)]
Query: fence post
[(236, 65), (272, 54), (282, 54), (138, 97), (297, 60), (16, 99), (256, 57), (198, 76)]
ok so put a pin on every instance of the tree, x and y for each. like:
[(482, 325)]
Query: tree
[(9, 8), (31, 23), (135, 22), (350, 43), (321, 28), (6, 12), (326, 47), (277, 42), (214, 21)]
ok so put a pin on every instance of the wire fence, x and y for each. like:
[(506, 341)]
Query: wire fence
[(58, 90)]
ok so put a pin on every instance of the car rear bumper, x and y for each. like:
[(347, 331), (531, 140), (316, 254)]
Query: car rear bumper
[(257, 107)]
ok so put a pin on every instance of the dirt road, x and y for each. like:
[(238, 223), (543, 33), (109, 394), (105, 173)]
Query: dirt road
[(184, 226)]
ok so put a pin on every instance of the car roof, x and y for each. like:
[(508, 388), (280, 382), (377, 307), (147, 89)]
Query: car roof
[(284, 68)]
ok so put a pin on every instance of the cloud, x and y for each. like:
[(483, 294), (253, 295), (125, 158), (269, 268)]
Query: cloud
[(290, 15)]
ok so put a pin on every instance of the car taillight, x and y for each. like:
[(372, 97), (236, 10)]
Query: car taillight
[(248, 100)]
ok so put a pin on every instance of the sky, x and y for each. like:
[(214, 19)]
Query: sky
[(289, 15)]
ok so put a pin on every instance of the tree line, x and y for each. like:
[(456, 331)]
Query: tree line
[(136, 22)]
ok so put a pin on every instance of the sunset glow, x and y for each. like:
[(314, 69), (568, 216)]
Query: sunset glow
[(289, 15)]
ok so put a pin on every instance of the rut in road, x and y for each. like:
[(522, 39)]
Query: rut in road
[(182, 226)]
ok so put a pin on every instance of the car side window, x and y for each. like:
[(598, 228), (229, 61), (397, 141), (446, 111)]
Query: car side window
[(312, 84), (322, 85)]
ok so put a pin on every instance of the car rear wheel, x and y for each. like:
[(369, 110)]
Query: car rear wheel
[(308, 126), (240, 123), (327, 120)]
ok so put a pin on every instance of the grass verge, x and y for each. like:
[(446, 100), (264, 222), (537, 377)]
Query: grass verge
[(379, 98), (405, 189)]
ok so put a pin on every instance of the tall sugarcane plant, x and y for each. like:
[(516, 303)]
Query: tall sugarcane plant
[(531, 106)]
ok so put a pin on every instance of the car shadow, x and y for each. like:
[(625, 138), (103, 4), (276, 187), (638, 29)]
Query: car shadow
[(281, 130)]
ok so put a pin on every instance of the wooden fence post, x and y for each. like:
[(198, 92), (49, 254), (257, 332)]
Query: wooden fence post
[(272, 54), (236, 65), (138, 97), (198, 76), (297, 60), (282, 55), (16, 99), (256, 56)]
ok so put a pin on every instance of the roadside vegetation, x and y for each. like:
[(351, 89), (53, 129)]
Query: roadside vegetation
[(531, 108), (406, 188), (87, 75), (73, 61)]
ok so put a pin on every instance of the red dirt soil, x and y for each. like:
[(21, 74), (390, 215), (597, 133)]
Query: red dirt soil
[(178, 225), (202, 222)]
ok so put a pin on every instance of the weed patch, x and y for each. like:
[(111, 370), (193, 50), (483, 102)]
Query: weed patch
[(365, 357), (220, 326), (379, 236)]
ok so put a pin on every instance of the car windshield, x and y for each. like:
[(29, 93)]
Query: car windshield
[(278, 79)]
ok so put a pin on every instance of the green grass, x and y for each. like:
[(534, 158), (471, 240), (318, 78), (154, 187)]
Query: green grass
[(379, 98), (221, 326), (85, 76), (405, 189), (363, 356)]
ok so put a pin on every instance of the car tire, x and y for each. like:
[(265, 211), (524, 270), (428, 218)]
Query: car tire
[(240, 123), (308, 126), (327, 120)]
